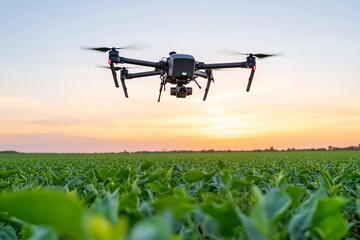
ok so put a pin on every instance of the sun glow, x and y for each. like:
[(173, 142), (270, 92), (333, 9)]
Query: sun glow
[(224, 122), (228, 126)]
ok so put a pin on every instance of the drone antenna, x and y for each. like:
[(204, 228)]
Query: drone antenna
[(162, 86), (251, 78), (197, 83), (210, 78), (113, 73), (123, 75)]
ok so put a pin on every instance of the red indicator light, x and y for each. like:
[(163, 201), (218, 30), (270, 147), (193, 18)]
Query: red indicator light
[(110, 62), (254, 68)]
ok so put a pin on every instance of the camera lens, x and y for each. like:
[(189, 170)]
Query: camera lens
[(182, 90)]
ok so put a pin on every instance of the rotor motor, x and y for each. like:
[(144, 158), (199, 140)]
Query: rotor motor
[(250, 61), (114, 55)]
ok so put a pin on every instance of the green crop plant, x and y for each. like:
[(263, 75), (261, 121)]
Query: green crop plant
[(232, 195)]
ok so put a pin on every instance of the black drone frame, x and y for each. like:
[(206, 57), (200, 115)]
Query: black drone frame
[(161, 68)]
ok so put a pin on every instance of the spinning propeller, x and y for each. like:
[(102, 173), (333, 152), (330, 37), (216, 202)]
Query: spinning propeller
[(115, 68), (251, 61), (135, 46), (258, 55)]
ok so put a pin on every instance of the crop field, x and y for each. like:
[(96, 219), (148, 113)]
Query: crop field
[(161, 196)]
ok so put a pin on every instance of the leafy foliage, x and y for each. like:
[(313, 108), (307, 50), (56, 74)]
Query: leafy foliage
[(268, 195)]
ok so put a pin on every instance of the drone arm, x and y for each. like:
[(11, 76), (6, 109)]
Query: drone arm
[(201, 65), (139, 62), (143, 74), (201, 74), (125, 75)]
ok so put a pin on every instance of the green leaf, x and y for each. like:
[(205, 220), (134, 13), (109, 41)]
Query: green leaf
[(158, 173), (194, 176), (239, 183), (253, 178), (71, 184), (226, 178), (34, 232), (208, 176), (276, 203), (107, 206), (91, 177), (158, 187), (301, 221), (7, 233), (259, 219), (4, 184), (327, 220), (280, 178), (113, 173), (258, 215), (325, 180), (225, 215), (155, 228), (146, 165), (123, 174), (90, 196), (268, 209), (295, 193), (7, 173), (51, 208), (129, 201), (179, 206), (103, 174), (251, 231), (221, 164)]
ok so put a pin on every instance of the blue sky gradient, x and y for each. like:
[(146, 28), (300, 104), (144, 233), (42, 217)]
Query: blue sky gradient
[(52, 98)]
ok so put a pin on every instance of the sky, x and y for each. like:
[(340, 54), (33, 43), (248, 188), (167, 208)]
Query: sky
[(54, 99)]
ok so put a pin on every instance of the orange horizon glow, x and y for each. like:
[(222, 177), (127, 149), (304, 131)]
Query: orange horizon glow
[(194, 125)]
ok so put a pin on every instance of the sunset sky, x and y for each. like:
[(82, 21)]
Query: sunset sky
[(54, 99)]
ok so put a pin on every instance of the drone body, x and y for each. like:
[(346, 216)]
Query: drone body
[(177, 69)]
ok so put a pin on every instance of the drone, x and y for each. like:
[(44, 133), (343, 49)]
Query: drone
[(176, 69)]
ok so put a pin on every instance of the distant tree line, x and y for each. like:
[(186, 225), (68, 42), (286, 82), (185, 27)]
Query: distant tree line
[(271, 149), (332, 148), (9, 151)]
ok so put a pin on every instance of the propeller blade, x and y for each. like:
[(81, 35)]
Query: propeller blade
[(115, 67), (134, 46), (258, 55), (100, 49), (250, 78), (262, 55), (118, 68), (229, 51)]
